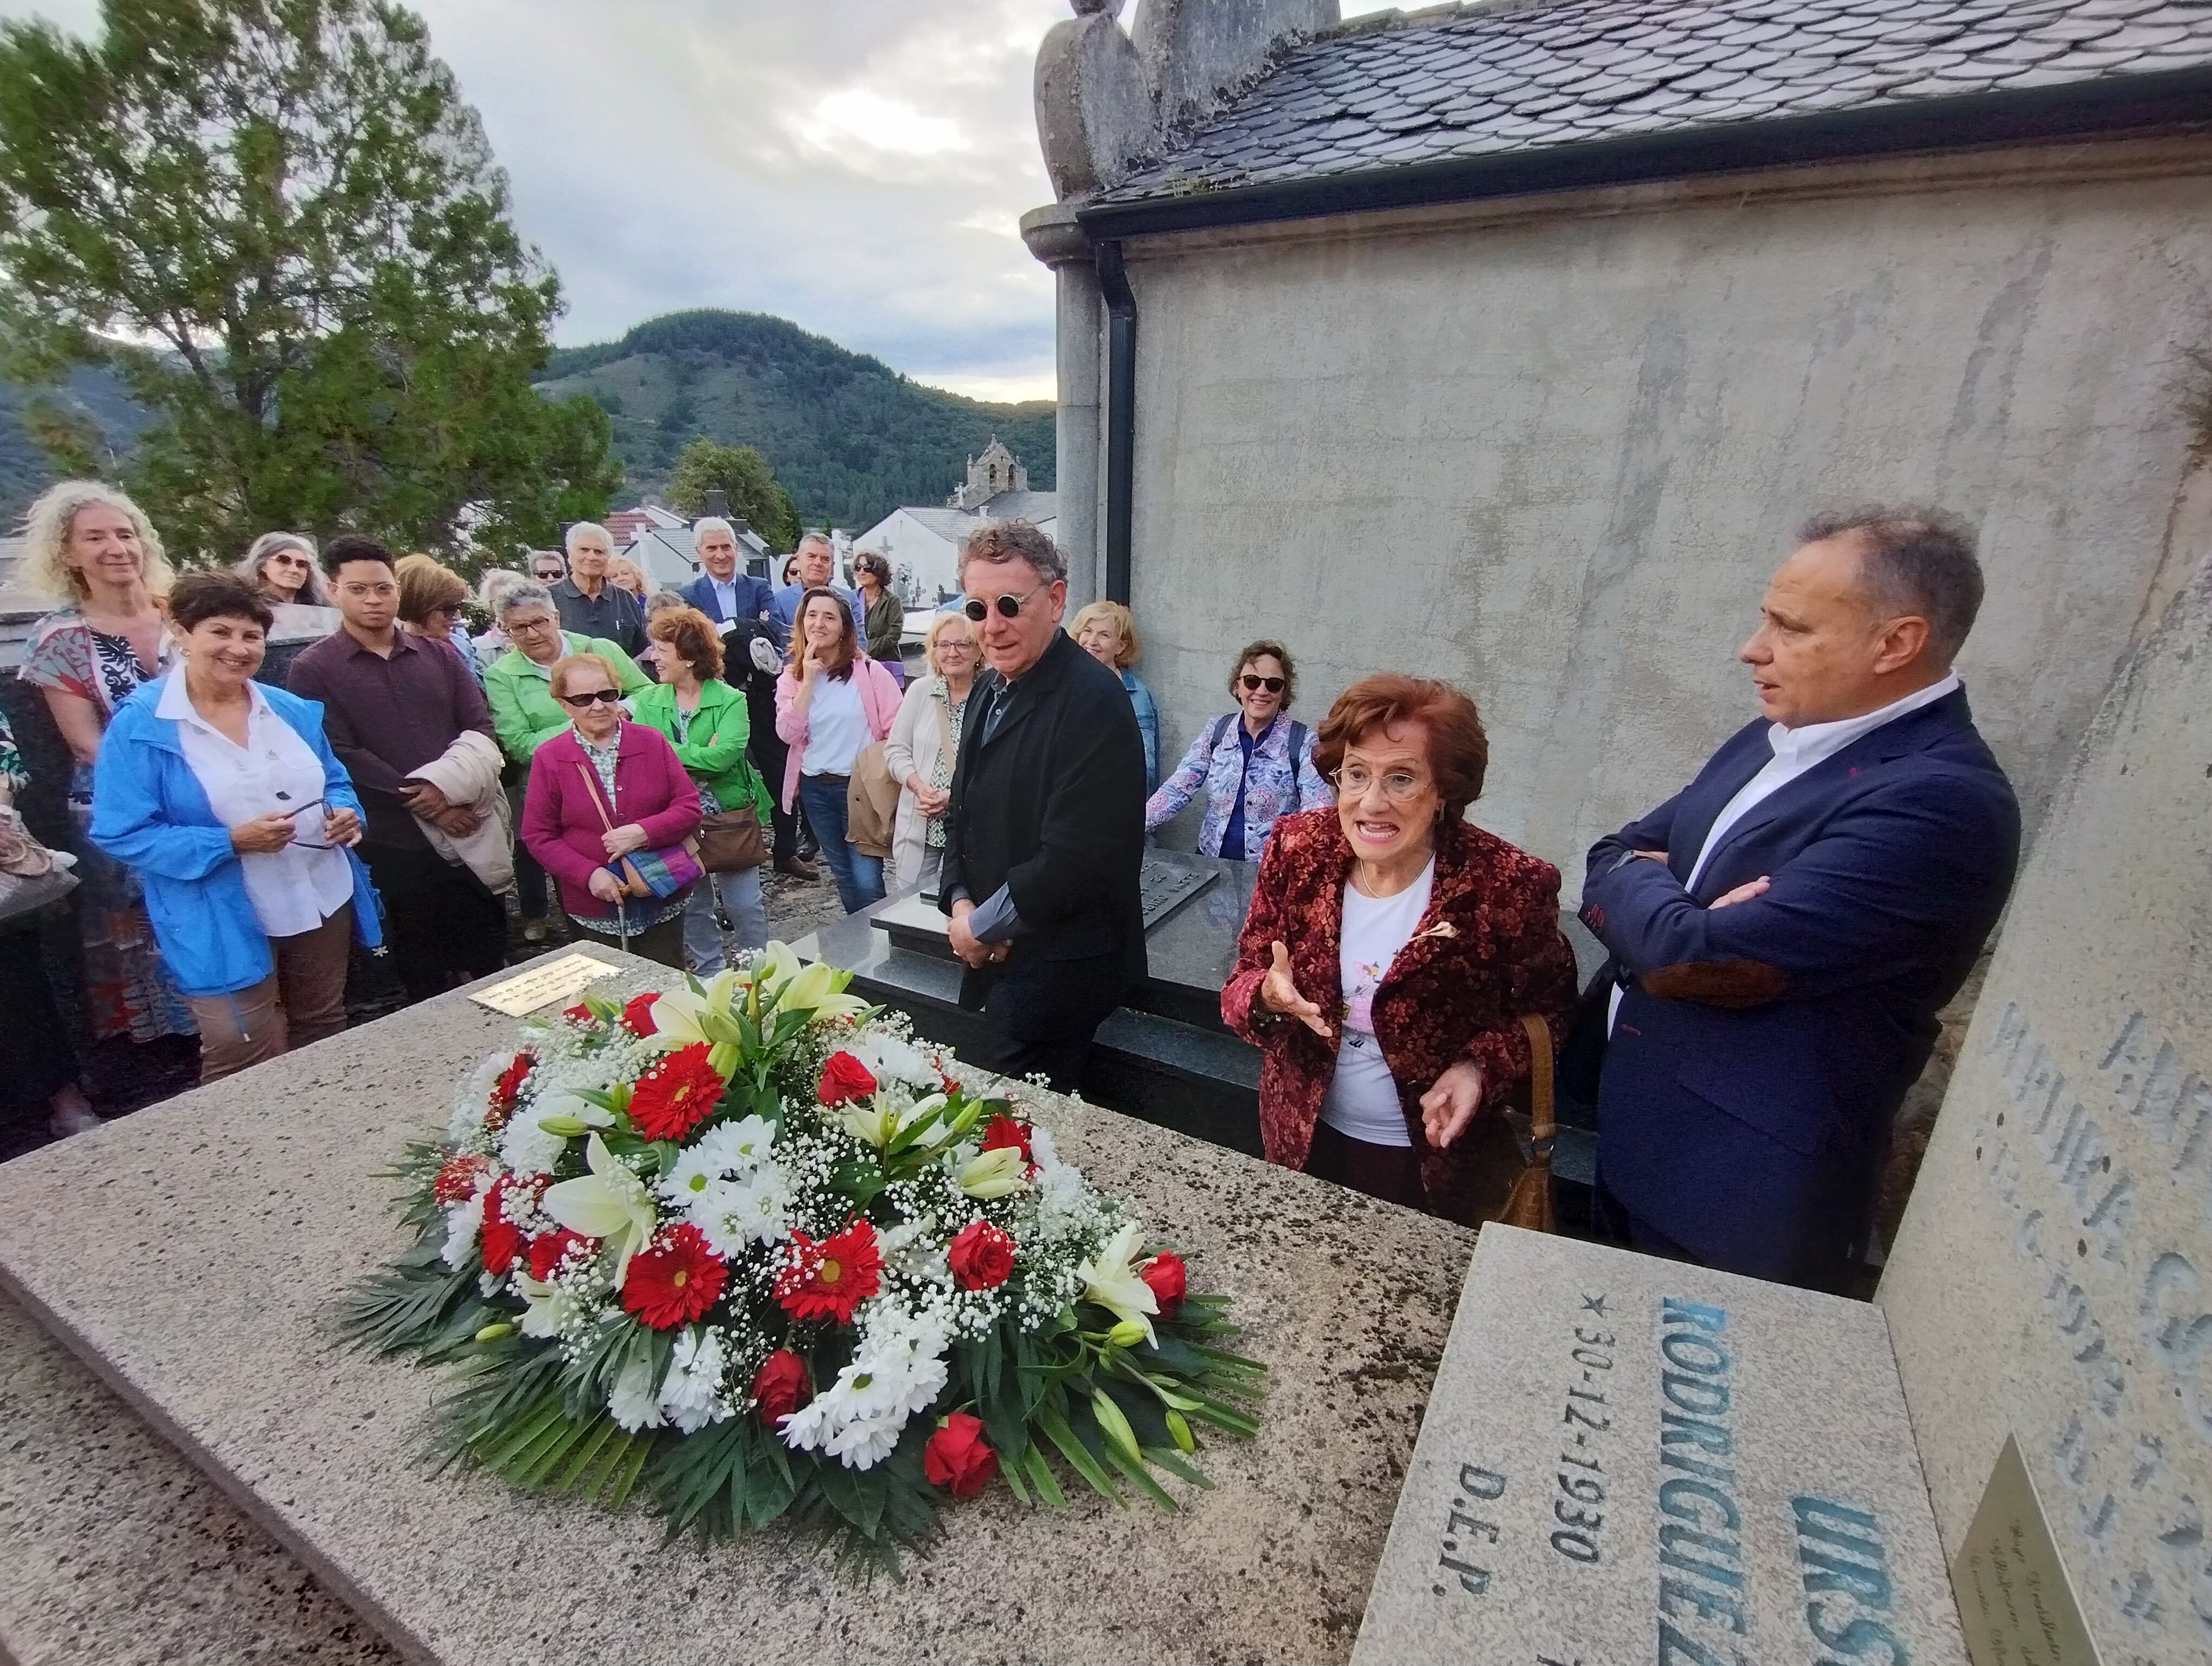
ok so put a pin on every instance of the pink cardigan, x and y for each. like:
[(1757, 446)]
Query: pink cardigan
[(879, 704), (560, 824)]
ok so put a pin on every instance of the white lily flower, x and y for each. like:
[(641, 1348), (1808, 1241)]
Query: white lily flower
[(610, 1203), (820, 989), (676, 1015), (879, 1118), (991, 1174), (1111, 1280), (549, 1306)]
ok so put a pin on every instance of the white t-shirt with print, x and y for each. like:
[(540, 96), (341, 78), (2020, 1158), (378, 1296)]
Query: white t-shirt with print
[(1362, 1102)]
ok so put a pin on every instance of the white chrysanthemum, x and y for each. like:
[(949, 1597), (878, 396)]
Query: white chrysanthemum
[(462, 1221), (739, 1146), (732, 1213), (1043, 1151), (631, 1403), (524, 1147), (866, 1442), (892, 1059), (691, 1392)]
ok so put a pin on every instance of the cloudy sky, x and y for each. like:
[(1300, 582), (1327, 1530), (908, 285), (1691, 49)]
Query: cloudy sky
[(856, 166)]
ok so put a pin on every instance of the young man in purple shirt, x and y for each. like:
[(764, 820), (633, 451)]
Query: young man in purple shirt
[(391, 702)]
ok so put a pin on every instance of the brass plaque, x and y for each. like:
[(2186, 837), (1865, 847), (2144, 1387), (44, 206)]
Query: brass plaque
[(2017, 1605), (542, 985)]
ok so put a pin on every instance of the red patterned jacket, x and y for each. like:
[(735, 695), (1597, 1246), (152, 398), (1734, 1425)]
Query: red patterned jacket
[(1488, 949)]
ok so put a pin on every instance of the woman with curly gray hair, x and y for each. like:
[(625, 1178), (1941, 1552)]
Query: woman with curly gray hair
[(92, 550)]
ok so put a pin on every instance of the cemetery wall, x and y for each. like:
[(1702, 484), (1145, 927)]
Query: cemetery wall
[(1551, 449)]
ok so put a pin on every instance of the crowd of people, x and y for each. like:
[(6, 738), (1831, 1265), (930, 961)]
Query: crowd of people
[(1781, 933)]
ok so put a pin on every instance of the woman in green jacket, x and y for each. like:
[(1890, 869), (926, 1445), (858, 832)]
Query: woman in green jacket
[(524, 712), (706, 720)]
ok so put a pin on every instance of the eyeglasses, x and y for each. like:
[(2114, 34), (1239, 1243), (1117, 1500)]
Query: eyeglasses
[(1009, 606), (1254, 685), (582, 701), (299, 841), (1399, 786), (451, 610)]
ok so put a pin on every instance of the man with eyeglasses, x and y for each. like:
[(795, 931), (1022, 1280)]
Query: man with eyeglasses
[(393, 702), (1044, 834)]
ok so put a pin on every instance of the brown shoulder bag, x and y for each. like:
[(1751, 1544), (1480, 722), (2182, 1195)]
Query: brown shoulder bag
[(1529, 1203)]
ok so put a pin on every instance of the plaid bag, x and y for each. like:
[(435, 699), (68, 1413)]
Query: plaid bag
[(656, 873)]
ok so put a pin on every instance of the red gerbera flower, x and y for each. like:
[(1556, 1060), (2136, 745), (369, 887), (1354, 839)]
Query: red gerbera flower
[(676, 1281), (547, 1250), (457, 1181), (675, 1095), (1003, 1132), (500, 1239), (829, 1279), (637, 1013), (507, 1092)]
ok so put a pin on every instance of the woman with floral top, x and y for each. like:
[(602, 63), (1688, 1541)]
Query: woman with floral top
[(89, 546), (1254, 764)]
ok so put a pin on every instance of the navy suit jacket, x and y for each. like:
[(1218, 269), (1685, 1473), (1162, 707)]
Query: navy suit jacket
[(1762, 1050), (754, 597)]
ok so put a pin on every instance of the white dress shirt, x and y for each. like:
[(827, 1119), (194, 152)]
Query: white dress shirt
[(293, 890), (1796, 751)]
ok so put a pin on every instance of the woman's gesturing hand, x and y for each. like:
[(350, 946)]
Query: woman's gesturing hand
[(1278, 991), (1448, 1107), (263, 834)]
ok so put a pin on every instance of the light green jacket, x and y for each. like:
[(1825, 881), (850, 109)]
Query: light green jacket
[(524, 712), (715, 751)]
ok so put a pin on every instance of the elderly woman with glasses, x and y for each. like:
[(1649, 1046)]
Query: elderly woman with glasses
[(280, 567), (1254, 764), (225, 798), (1390, 953), (602, 789), (923, 744)]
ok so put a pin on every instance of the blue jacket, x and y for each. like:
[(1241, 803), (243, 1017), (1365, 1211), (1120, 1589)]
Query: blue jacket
[(149, 811), (754, 597), (1762, 1050), (1148, 725)]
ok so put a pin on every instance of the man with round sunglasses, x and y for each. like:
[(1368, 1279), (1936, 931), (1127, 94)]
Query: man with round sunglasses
[(1044, 833)]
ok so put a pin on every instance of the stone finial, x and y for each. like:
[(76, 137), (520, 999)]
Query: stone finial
[(1094, 107), (1193, 51)]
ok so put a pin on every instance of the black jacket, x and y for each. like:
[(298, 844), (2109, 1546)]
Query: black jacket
[(1053, 807)]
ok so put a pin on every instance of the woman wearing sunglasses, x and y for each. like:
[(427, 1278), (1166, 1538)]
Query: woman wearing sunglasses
[(1390, 954), (1254, 764), (832, 702), (226, 798), (602, 789), (281, 568), (432, 599)]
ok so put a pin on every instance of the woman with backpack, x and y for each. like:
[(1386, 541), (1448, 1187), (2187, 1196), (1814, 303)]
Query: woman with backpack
[(1254, 764)]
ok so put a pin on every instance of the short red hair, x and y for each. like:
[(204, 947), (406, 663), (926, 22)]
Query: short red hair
[(1458, 750)]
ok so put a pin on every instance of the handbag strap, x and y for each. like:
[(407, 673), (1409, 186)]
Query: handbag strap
[(592, 786), (943, 704), (1542, 1125)]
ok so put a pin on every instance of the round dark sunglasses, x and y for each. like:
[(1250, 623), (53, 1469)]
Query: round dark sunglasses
[(1254, 685), (1010, 606), (581, 701)]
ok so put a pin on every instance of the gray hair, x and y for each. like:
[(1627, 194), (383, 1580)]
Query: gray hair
[(568, 539), (662, 599), (1916, 561), (528, 594), (1013, 540), (706, 524), (821, 538), (249, 569), (495, 583)]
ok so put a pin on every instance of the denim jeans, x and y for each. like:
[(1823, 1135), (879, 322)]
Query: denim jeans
[(860, 878), (741, 901)]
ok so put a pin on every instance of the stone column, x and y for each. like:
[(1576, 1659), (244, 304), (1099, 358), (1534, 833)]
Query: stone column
[(1054, 238)]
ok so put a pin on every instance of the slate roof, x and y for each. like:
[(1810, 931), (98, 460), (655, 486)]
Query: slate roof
[(1477, 82)]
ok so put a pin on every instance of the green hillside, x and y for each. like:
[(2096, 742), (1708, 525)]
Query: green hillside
[(96, 395), (850, 437)]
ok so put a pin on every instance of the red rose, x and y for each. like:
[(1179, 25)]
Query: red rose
[(981, 1256), (500, 1239), (676, 1281), (1002, 1132), (957, 1457), (547, 1250), (456, 1181), (675, 1095), (843, 1078), (829, 1279), (637, 1013), (780, 1386), (1166, 1273)]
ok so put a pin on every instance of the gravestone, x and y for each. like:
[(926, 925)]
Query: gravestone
[(2051, 1284), (1627, 1459)]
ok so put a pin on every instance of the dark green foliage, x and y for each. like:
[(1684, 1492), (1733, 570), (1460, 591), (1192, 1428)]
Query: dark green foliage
[(277, 223), (743, 476), (850, 437)]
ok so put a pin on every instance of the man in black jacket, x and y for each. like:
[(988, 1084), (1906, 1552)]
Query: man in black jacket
[(1044, 836)]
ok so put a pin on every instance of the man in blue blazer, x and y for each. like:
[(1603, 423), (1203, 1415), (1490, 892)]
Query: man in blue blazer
[(1785, 928), (722, 592)]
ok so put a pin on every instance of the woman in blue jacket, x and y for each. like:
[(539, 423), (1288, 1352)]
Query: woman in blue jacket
[(225, 797)]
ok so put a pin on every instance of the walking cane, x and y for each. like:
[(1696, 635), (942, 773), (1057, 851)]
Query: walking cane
[(622, 924)]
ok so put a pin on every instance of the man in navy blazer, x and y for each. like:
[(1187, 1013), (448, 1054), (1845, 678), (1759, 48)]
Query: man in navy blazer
[(1785, 928), (722, 592)]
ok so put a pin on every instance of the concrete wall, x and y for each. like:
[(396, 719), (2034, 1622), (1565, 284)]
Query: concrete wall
[(1551, 449)]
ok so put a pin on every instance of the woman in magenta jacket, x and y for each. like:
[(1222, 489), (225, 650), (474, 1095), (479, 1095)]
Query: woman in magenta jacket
[(606, 788), (830, 702)]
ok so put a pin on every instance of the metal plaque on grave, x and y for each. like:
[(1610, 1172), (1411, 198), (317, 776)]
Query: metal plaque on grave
[(1630, 1460)]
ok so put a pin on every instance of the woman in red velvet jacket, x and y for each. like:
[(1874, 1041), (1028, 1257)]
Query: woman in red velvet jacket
[(601, 788), (1390, 953)]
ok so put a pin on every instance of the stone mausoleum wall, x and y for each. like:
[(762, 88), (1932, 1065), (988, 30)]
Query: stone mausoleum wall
[(1550, 449)]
